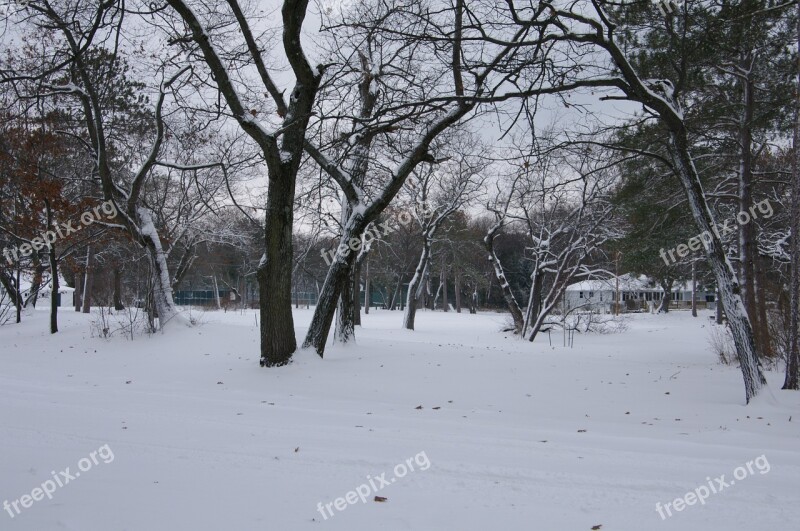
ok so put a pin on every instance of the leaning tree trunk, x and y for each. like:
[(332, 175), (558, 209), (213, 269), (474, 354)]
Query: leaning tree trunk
[(508, 295), (534, 298), (345, 309), (724, 274), (337, 279), (161, 285), (415, 287), (396, 293), (88, 281)]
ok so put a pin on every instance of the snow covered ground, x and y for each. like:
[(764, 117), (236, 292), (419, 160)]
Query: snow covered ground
[(509, 436)]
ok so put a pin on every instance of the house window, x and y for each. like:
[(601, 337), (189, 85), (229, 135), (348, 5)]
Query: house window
[(591, 294), (580, 295)]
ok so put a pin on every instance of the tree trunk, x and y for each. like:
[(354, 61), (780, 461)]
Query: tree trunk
[(720, 265), (719, 307), (19, 298), (666, 285), (345, 308), (36, 284), (397, 292), (78, 293), (458, 289), (761, 301), (534, 298), (88, 280), (694, 288), (278, 341), (508, 295), (163, 304), (747, 236), (216, 293), (118, 306), (792, 380), (337, 279), (445, 302), (8, 283), (428, 292), (415, 287), (54, 282), (184, 265), (357, 293), (367, 296)]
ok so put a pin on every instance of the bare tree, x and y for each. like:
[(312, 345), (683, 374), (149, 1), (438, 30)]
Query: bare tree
[(281, 145), (435, 195)]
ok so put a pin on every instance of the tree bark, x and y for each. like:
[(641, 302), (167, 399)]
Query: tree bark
[(445, 302), (458, 289), (747, 249), (508, 295), (694, 288), (761, 302), (88, 280), (278, 341), (666, 285), (345, 308), (54, 282), (163, 303), (36, 284), (367, 296), (534, 299), (415, 286), (118, 306), (727, 282), (357, 293), (336, 280), (78, 293), (19, 298), (792, 380)]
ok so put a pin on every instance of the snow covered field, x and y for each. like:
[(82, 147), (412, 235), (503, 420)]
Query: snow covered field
[(509, 436)]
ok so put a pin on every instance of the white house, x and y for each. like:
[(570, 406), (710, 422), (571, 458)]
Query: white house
[(636, 293)]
